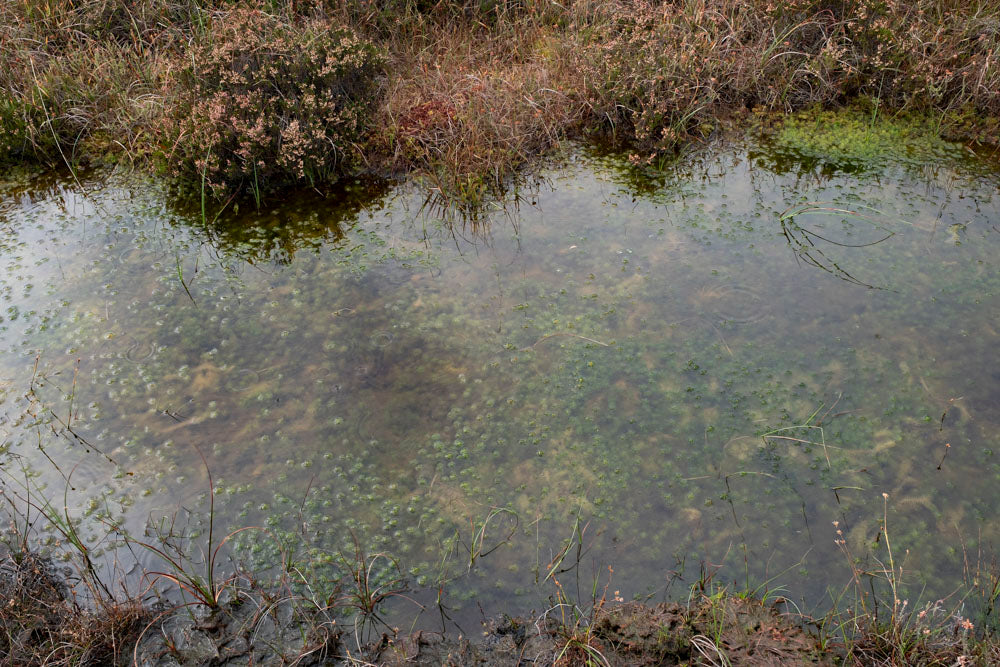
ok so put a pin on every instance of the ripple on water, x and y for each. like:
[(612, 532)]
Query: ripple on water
[(394, 273), (337, 347), (139, 350), (366, 369), (243, 379), (122, 257), (381, 338), (735, 304)]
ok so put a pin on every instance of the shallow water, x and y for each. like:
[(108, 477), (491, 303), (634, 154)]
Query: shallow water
[(607, 350)]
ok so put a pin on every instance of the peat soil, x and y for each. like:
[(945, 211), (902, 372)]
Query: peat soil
[(744, 631)]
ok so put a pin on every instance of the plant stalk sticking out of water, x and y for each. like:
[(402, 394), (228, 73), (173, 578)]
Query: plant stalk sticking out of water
[(62, 522), (575, 540), (947, 446), (39, 411), (180, 277), (477, 549), (369, 592)]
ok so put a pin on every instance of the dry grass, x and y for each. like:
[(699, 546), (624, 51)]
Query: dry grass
[(469, 108), (476, 90), (43, 623)]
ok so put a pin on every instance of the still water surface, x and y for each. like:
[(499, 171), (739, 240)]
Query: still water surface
[(607, 350)]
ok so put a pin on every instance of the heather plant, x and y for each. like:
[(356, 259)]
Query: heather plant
[(266, 103)]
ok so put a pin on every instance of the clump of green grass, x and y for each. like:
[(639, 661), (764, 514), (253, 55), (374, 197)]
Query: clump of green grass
[(82, 82)]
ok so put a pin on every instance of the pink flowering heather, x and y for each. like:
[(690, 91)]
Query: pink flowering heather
[(270, 104)]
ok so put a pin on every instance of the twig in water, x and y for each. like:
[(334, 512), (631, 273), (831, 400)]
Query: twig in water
[(72, 394), (947, 446), (567, 333)]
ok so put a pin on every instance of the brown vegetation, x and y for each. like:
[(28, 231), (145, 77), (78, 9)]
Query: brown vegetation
[(461, 93), (43, 623)]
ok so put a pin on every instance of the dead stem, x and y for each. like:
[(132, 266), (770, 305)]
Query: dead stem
[(565, 333)]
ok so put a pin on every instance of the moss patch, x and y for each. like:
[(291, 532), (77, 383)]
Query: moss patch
[(858, 139)]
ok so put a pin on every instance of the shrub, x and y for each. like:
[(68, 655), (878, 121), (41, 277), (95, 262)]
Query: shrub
[(266, 103), (656, 70)]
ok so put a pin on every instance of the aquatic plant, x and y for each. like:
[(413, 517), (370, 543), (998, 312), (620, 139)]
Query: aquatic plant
[(174, 549), (371, 587), (857, 139)]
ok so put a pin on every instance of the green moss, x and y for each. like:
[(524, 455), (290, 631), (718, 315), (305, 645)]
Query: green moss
[(858, 139)]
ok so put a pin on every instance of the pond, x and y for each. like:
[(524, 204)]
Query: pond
[(697, 373)]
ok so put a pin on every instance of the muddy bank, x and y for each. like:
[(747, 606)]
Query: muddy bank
[(740, 631), (44, 621), (51, 616)]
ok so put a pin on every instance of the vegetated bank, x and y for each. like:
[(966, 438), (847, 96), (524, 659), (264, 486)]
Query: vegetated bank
[(460, 93), (45, 621)]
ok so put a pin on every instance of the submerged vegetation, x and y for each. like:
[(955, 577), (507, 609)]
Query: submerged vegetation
[(462, 94), (857, 139), (405, 422)]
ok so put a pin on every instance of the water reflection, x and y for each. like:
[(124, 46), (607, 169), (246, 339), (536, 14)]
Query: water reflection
[(276, 230)]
